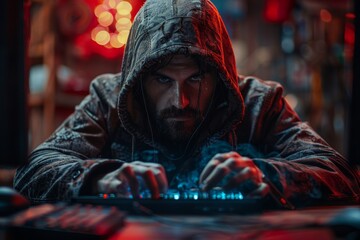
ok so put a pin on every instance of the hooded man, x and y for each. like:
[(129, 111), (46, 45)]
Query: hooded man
[(179, 116)]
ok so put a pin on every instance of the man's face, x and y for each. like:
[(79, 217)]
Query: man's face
[(178, 98)]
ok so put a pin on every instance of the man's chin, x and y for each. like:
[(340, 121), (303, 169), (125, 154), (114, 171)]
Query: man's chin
[(176, 134), (183, 123), (179, 138)]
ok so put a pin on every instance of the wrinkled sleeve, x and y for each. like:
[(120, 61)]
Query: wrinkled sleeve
[(67, 163), (296, 158)]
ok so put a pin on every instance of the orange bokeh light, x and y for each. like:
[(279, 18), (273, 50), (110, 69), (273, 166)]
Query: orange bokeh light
[(114, 41), (124, 8), (123, 36), (105, 19), (114, 23), (102, 37), (100, 9)]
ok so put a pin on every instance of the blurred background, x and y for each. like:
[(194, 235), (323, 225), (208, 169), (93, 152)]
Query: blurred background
[(306, 45)]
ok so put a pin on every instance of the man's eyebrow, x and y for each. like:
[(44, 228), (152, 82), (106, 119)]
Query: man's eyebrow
[(157, 74), (196, 74)]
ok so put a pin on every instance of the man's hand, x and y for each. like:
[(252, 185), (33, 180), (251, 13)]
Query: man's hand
[(233, 171), (130, 177)]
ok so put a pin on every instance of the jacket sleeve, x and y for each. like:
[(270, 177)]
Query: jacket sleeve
[(297, 159), (67, 164)]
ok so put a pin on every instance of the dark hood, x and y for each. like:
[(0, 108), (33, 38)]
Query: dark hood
[(161, 29)]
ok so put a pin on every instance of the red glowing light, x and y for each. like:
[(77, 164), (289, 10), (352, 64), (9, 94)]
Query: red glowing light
[(350, 15), (349, 35), (325, 15), (97, 27), (277, 11)]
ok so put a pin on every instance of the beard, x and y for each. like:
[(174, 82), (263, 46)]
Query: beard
[(177, 133)]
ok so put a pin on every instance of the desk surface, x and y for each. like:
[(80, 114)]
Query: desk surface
[(308, 224), (296, 224)]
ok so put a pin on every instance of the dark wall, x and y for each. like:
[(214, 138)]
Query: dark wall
[(13, 116), (354, 129)]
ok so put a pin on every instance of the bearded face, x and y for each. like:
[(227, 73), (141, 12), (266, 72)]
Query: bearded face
[(178, 96)]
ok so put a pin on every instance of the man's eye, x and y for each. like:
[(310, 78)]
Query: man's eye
[(163, 80), (197, 78)]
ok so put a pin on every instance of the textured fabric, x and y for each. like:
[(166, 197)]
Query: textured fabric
[(109, 127)]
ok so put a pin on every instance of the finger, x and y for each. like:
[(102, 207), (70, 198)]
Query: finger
[(128, 172), (152, 183), (238, 178), (216, 160), (161, 180), (147, 164), (208, 169), (248, 176), (224, 156), (109, 185), (262, 190), (215, 177), (237, 163), (158, 171)]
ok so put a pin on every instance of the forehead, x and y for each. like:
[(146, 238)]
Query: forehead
[(181, 62)]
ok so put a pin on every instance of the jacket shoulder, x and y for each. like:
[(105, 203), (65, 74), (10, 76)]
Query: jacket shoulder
[(106, 87), (247, 84), (255, 90)]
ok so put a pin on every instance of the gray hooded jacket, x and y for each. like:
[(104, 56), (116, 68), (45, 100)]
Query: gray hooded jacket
[(109, 126)]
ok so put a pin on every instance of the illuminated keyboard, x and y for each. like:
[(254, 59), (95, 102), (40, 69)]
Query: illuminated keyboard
[(193, 194), (180, 202)]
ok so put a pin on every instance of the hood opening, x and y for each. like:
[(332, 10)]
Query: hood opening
[(163, 29)]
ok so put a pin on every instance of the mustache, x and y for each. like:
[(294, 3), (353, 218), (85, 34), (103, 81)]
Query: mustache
[(174, 112)]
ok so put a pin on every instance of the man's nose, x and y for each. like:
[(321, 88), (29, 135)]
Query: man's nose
[(180, 98)]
